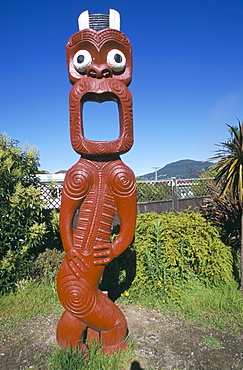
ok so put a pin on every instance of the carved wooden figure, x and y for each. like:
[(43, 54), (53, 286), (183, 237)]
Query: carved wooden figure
[(99, 185)]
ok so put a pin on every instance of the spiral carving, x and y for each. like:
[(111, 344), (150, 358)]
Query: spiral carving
[(77, 183), (76, 139), (100, 148), (77, 296), (127, 142), (122, 181)]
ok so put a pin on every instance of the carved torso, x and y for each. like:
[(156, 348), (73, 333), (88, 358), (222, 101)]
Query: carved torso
[(97, 211)]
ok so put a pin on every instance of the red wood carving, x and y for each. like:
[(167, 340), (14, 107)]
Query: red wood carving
[(98, 185)]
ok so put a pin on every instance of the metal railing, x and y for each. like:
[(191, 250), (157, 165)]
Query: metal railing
[(147, 191)]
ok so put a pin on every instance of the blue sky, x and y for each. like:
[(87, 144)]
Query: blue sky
[(187, 77)]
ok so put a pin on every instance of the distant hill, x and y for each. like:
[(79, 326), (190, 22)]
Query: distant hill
[(183, 169)]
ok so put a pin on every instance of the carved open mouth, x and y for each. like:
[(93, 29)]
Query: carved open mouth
[(101, 121), (100, 91), (100, 117)]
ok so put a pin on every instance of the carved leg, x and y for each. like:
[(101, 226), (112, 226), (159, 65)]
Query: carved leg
[(70, 332), (113, 340), (93, 336), (90, 308), (112, 323)]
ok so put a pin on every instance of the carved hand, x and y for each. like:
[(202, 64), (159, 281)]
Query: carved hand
[(77, 264), (103, 254)]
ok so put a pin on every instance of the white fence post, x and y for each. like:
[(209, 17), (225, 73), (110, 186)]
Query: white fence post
[(175, 203)]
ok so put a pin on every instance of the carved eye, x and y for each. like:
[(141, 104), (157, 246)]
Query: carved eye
[(81, 60), (116, 60)]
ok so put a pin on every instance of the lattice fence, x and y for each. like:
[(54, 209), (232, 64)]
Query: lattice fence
[(51, 195), (147, 191), (152, 191), (194, 188)]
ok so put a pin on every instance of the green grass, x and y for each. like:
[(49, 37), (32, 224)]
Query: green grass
[(30, 301), (212, 342), (35, 301), (218, 307), (72, 359)]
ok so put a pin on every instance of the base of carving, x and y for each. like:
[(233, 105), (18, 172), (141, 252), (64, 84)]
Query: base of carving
[(71, 332), (93, 335)]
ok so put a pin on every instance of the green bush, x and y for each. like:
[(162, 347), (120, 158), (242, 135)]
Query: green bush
[(47, 264), (22, 225), (52, 237), (224, 212), (174, 249), (26, 228)]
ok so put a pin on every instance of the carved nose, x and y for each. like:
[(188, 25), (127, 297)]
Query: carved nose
[(99, 70)]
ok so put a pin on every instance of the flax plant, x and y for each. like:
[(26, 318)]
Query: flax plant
[(229, 169)]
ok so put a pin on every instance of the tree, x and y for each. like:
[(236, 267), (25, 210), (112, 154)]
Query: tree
[(229, 172), (22, 226)]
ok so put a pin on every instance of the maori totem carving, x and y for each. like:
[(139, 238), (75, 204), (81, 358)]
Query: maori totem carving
[(97, 186)]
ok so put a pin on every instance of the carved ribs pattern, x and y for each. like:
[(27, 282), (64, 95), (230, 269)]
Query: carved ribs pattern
[(96, 213)]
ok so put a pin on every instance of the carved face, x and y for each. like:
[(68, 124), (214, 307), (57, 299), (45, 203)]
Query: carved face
[(102, 54), (100, 67)]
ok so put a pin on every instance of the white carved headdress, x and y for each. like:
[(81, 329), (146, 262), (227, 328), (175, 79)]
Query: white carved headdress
[(99, 21)]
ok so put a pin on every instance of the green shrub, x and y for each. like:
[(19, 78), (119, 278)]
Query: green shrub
[(47, 264), (22, 225), (52, 237), (174, 249), (25, 227), (224, 212)]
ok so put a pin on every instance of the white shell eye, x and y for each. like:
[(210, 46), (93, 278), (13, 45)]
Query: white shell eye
[(81, 60), (116, 60)]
